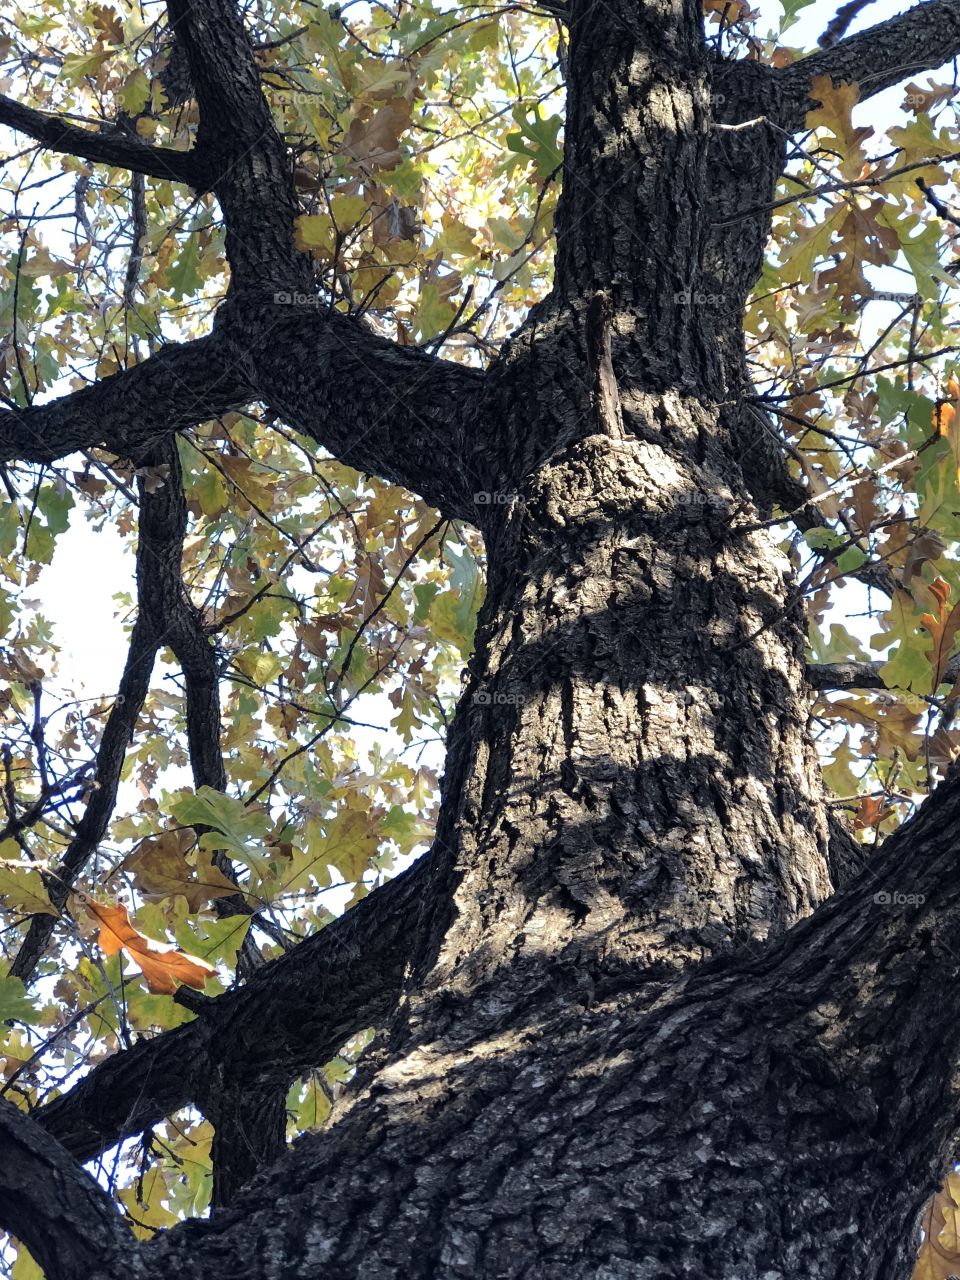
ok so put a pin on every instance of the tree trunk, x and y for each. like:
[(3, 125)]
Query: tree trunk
[(621, 1032)]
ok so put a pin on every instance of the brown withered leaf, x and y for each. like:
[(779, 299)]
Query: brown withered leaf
[(160, 869), (374, 143), (939, 1256), (926, 546)]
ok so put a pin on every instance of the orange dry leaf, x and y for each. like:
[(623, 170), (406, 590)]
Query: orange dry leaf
[(943, 629), (871, 812), (947, 423), (162, 966)]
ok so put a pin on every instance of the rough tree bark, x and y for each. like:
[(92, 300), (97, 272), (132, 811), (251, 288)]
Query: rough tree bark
[(631, 1023)]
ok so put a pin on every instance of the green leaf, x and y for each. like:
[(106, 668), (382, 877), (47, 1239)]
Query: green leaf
[(791, 11), (537, 139), (76, 66), (9, 527), (851, 560), (238, 829), (823, 539), (908, 667), (8, 612), (23, 889), (424, 593), (841, 647), (216, 941), (314, 232), (921, 251), (434, 314), (183, 278), (15, 1004), (135, 93), (56, 507)]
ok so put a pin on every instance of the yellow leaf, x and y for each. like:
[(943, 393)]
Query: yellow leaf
[(25, 1268), (256, 486), (939, 1256), (455, 237), (347, 210), (351, 841), (314, 233), (261, 668)]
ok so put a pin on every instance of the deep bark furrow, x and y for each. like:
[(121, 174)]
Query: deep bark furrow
[(613, 796), (752, 1104)]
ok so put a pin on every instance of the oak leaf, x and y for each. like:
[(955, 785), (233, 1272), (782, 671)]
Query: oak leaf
[(939, 1256), (374, 143), (942, 626), (21, 887), (160, 870), (162, 964)]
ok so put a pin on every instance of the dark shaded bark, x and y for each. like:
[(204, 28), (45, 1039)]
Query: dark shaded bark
[(624, 1028), (390, 411), (183, 384), (46, 1198)]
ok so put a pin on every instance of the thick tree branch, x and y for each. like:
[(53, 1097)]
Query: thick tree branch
[(292, 1016), (400, 414), (845, 675), (866, 984), (923, 38), (238, 140), (181, 385), (389, 411), (860, 675), (395, 413), (118, 148), (68, 1223), (848, 1028)]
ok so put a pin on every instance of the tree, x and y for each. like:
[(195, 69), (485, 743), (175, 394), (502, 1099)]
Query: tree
[(647, 1007)]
